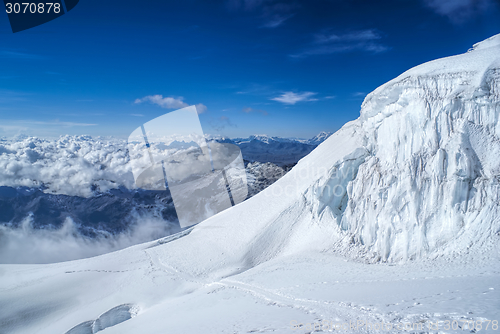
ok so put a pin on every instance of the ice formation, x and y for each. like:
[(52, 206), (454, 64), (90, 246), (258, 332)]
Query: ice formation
[(429, 176)]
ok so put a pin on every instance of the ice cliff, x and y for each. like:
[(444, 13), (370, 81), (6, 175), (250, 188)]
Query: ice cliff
[(425, 181)]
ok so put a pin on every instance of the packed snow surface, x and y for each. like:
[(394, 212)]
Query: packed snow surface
[(393, 220)]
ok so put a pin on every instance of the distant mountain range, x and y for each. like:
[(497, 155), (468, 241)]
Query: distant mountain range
[(277, 150)]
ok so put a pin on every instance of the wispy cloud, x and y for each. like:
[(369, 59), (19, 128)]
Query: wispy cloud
[(359, 94), (137, 115), (292, 98), (10, 54), (251, 110), (25, 124), (9, 96), (256, 89), (170, 102), (44, 129), (11, 130), (276, 14), (59, 123), (328, 42), (459, 11), (273, 13), (245, 4), (356, 36)]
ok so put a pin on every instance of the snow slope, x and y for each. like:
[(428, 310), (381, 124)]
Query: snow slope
[(414, 178)]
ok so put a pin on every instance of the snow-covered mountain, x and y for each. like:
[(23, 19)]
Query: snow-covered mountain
[(277, 150), (412, 186), (319, 138)]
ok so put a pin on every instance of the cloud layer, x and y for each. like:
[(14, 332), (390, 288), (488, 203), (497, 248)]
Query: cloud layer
[(74, 166), (70, 165), (25, 244)]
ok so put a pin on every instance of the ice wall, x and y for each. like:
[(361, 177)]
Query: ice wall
[(429, 182)]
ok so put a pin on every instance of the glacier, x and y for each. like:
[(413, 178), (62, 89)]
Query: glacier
[(430, 177), (394, 219)]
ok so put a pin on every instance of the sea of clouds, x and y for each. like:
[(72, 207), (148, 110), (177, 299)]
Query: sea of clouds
[(25, 244), (80, 166), (75, 166), (70, 165)]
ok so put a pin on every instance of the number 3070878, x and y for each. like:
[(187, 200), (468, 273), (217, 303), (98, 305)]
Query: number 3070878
[(26, 7)]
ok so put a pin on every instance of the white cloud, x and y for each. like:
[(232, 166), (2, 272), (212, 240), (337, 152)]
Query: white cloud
[(328, 42), (292, 98), (164, 102), (170, 102), (459, 11), (70, 165), (66, 243)]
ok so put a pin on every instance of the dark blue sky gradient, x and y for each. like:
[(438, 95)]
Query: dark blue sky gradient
[(81, 73)]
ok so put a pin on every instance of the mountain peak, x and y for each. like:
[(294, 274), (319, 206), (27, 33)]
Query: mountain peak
[(263, 138), (319, 138)]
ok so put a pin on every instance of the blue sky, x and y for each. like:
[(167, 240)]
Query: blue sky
[(277, 67)]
